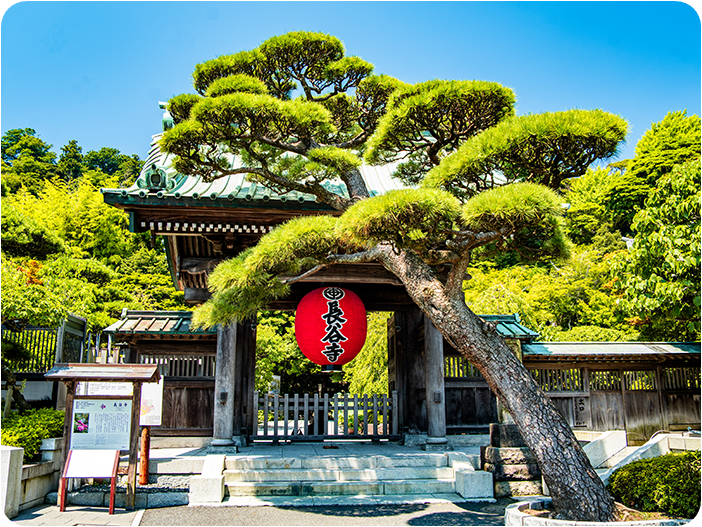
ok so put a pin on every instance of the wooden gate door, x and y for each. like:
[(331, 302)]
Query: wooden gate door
[(318, 418), (470, 404)]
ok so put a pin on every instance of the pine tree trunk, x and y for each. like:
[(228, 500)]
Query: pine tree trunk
[(577, 491)]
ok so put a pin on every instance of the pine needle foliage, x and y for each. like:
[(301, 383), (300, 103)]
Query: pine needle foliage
[(338, 159), (412, 218), (179, 106), (243, 285), (429, 120), (510, 206), (544, 148), (236, 83), (531, 215)]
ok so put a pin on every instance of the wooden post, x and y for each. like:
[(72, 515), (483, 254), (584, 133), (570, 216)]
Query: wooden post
[(67, 429), (133, 445), (244, 379), (144, 455), (434, 384), (224, 386), (8, 399)]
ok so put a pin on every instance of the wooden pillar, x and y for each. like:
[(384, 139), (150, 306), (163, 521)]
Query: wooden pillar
[(409, 363), (144, 453), (224, 385), (434, 384), (133, 446), (67, 428), (244, 379)]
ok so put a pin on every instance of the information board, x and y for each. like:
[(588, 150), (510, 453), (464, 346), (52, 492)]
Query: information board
[(91, 464), (101, 424), (151, 403), (151, 397)]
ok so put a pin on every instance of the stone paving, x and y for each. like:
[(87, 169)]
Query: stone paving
[(77, 515), (82, 515)]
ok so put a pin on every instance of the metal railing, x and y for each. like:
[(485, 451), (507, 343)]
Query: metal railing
[(41, 345)]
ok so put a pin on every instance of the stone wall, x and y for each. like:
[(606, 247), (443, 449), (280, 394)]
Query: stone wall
[(25, 486)]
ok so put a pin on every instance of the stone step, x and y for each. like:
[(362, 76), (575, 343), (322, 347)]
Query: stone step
[(343, 488), (337, 463), (316, 475), (616, 458)]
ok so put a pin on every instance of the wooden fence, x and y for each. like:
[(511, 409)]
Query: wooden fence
[(314, 417), (200, 365)]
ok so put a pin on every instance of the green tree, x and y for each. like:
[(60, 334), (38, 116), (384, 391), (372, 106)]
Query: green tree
[(27, 161), (129, 170), (660, 275), (110, 162), (573, 301), (77, 212), (277, 352), (368, 372), (64, 251), (107, 160), (22, 236), (674, 140), (70, 163), (425, 236)]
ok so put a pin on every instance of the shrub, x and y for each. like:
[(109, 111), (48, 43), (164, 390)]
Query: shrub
[(669, 484), (26, 430)]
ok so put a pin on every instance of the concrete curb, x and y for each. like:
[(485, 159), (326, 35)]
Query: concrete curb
[(515, 517), (143, 500)]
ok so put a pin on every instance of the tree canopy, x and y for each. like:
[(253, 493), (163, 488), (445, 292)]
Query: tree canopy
[(295, 113), (661, 273), (63, 249)]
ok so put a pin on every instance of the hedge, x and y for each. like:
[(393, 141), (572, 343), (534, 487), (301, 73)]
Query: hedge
[(668, 484), (26, 430)]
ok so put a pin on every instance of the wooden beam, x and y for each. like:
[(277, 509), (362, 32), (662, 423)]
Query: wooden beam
[(375, 296), (196, 295), (354, 273)]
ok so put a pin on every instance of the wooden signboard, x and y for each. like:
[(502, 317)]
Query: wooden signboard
[(110, 428), (90, 464)]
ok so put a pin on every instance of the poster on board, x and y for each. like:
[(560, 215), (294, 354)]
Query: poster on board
[(151, 397), (100, 424), (151, 403)]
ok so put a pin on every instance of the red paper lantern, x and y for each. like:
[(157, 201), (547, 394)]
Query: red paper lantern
[(330, 325)]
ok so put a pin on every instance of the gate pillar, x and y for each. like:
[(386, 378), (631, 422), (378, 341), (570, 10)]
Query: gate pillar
[(434, 384), (224, 385), (244, 380)]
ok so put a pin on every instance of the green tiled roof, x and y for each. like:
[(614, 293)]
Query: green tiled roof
[(174, 323), (601, 349), (508, 326), (176, 189), (157, 323)]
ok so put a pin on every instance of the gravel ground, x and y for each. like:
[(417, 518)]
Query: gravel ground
[(414, 514)]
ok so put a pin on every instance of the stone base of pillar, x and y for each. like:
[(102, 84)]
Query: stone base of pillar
[(430, 446), (225, 449), (222, 442), (241, 441), (414, 439)]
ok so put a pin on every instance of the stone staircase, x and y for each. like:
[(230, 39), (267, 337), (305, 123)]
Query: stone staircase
[(327, 476), (616, 458), (447, 476)]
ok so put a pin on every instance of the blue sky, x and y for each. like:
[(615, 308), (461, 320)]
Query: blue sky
[(95, 71)]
